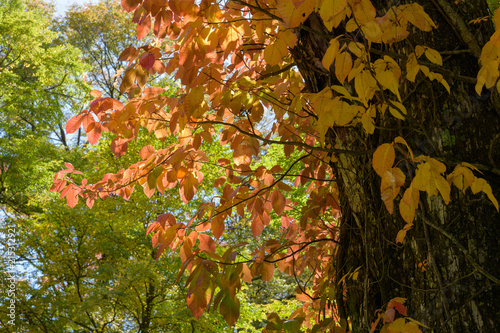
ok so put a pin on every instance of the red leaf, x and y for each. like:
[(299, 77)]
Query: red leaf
[(397, 303), (130, 5), (188, 188), (127, 53), (74, 123), (152, 227), (90, 202), (147, 61)]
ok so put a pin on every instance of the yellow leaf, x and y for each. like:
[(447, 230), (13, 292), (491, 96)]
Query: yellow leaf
[(392, 180), (388, 76), (273, 53), (478, 185), (422, 177), (341, 90), (292, 16), (412, 67), (496, 19), (409, 204), (400, 140), (365, 86), (397, 109), (288, 37), (357, 49), (437, 166), (329, 9), (428, 178), (419, 50), (396, 326), (411, 327), (443, 187), (333, 111), (488, 53), (470, 166), (372, 32), (481, 185), (481, 79), (383, 158), (343, 65), (363, 11), (193, 98), (330, 54), (402, 234), (367, 119), (433, 56), (416, 15)]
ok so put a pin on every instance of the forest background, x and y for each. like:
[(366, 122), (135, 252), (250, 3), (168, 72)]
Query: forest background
[(85, 270), (96, 268)]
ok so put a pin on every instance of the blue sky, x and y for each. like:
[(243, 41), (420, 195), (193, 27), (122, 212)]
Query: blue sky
[(61, 5)]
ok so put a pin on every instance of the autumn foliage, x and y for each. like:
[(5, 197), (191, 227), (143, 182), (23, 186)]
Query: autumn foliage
[(241, 64)]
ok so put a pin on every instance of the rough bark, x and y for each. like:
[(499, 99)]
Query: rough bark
[(455, 288)]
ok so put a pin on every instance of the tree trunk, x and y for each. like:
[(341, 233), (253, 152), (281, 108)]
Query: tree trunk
[(448, 265)]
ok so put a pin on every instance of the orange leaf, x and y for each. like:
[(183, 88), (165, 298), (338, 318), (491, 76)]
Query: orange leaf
[(143, 27), (206, 243), (217, 226), (197, 299), (119, 146), (257, 226), (279, 202), (146, 152), (230, 309), (267, 271), (74, 123)]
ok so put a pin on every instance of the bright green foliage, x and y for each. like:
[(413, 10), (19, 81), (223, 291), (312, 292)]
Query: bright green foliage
[(101, 31), (92, 270), (39, 81), (38, 77)]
